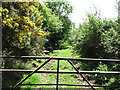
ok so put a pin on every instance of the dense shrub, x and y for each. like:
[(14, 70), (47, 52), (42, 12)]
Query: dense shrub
[(98, 38)]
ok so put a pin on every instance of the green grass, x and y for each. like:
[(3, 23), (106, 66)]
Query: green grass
[(51, 78), (65, 53), (34, 79), (64, 65)]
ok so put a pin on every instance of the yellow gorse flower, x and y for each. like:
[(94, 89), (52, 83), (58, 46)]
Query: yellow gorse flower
[(4, 21), (26, 28), (41, 33), (32, 24), (39, 20), (26, 18), (29, 33), (21, 33), (5, 10), (16, 24), (35, 3), (20, 38), (7, 16), (8, 20)]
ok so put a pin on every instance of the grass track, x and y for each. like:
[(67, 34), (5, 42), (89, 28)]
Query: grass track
[(44, 78)]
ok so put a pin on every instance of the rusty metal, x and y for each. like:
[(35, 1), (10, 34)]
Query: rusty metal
[(57, 80), (81, 74), (62, 58), (58, 71), (64, 85), (31, 73), (61, 71), (74, 85)]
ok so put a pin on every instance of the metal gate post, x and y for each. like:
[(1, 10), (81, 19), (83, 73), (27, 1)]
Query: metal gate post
[(57, 81)]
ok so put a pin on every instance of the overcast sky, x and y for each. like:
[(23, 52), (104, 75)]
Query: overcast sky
[(81, 7), (107, 9)]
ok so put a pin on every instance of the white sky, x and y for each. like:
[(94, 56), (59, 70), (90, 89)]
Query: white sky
[(107, 9), (81, 7)]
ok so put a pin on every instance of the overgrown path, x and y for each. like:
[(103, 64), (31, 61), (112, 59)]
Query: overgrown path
[(64, 65)]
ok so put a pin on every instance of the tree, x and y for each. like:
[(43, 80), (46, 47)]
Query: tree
[(61, 9), (52, 25), (99, 38)]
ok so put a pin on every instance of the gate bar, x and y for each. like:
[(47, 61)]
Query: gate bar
[(73, 85), (62, 58), (64, 85), (61, 71)]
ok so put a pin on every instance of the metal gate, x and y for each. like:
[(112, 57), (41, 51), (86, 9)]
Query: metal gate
[(58, 71)]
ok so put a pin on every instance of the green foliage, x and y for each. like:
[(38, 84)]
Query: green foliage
[(52, 25), (64, 45), (102, 79), (87, 37), (61, 9), (98, 38), (102, 67), (110, 39)]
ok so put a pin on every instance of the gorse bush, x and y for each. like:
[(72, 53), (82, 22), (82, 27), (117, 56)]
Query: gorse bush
[(18, 27)]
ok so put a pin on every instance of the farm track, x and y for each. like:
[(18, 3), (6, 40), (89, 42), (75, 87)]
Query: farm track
[(46, 77), (51, 79)]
